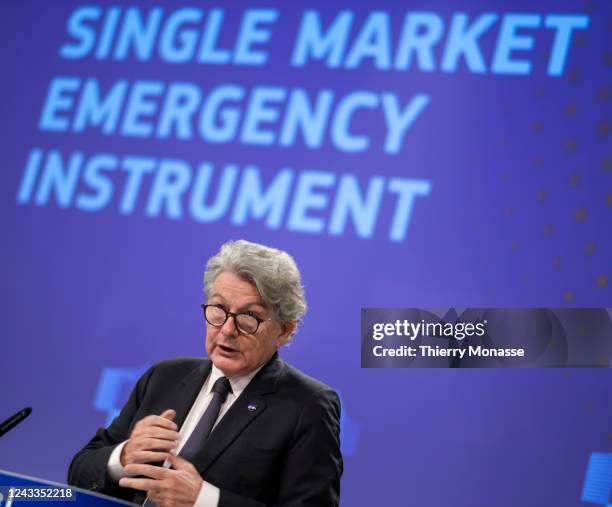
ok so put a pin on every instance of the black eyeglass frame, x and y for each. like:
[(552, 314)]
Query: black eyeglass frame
[(234, 315)]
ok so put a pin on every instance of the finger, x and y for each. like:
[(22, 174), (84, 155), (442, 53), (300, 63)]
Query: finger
[(149, 456), (169, 414), (164, 498), (157, 497), (147, 470), (161, 498), (153, 444), (162, 433), (141, 484), (158, 420), (179, 463)]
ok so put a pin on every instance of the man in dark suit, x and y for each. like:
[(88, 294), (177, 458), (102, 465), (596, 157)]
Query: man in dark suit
[(241, 428)]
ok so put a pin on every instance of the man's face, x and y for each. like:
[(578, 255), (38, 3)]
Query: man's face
[(229, 350)]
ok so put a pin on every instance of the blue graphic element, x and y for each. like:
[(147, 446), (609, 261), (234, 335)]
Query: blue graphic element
[(111, 393), (598, 480), (349, 431)]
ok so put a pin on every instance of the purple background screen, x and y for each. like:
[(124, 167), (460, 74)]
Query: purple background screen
[(496, 191)]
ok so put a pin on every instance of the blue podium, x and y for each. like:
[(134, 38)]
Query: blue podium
[(18, 490)]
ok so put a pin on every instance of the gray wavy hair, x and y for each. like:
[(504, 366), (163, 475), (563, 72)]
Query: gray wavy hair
[(273, 272)]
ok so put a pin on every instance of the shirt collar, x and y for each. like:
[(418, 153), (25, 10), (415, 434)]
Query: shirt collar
[(238, 382)]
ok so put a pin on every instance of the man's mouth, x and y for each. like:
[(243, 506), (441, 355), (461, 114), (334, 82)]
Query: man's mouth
[(227, 350)]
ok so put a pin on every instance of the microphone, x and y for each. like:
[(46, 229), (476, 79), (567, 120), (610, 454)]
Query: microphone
[(13, 421)]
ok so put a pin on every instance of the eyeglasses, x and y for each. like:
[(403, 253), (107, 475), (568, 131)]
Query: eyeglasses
[(245, 322)]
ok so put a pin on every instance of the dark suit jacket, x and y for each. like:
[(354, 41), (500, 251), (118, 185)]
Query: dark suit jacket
[(286, 452)]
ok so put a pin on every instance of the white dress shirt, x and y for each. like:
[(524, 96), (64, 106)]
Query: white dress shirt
[(209, 494)]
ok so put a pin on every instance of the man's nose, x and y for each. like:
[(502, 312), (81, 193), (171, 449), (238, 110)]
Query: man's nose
[(229, 327)]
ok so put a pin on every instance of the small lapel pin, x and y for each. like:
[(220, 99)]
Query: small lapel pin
[(251, 407)]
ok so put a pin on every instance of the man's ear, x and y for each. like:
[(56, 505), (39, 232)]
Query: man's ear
[(287, 330)]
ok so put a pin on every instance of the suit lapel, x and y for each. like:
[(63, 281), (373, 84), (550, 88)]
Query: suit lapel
[(248, 407), (187, 391)]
